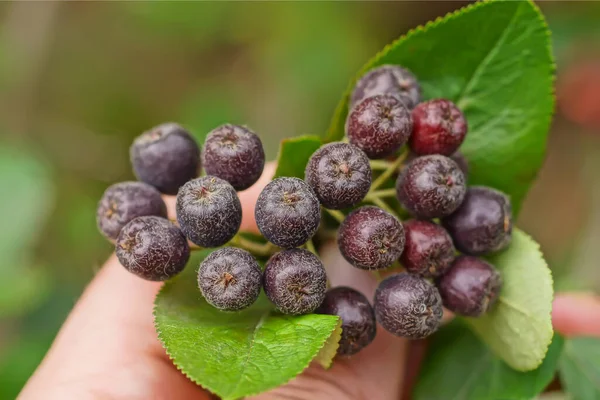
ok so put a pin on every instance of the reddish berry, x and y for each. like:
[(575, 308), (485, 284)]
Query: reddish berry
[(428, 250), (439, 127)]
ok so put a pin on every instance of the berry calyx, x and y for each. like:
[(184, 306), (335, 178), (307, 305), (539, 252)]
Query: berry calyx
[(230, 279), (152, 248), (483, 222), (431, 186), (122, 202), (287, 212), (428, 250), (371, 238), (391, 80), (379, 125), (358, 318), (340, 175), (409, 306), (470, 287), (166, 157), (295, 281), (234, 153), (209, 211), (439, 127)]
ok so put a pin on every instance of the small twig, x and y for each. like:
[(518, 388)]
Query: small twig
[(337, 214), (381, 194), (259, 249), (377, 275), (379, 164), (382, 204), (392, 167)]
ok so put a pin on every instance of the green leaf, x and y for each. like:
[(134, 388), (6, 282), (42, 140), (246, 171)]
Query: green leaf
[(294, 154), (459, 366), (237, 354), (580, 368), (519, 327), (493, 59)]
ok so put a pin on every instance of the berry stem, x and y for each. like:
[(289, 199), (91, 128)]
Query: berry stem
[(337, 214), (382, 204), (258, 249), (379, 164), (381, 194), (377, 275), (310, 246), (392, 167)]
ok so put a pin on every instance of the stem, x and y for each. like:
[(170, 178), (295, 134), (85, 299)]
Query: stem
[(310, 246), (392, 167), (381, 194), (379, 164), (345, 139), (377, 275), (382, 204), (337, 214), (259, 249)]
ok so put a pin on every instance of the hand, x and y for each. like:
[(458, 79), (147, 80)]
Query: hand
[(108, 348)]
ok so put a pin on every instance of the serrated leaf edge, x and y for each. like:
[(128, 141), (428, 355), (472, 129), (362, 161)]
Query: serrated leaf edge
[(288, 140), (327, 353), (210, 389)]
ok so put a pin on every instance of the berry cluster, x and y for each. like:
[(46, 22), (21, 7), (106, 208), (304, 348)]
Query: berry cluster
[(342, 180)]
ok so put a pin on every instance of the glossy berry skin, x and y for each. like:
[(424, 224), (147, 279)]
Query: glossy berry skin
[(340, 175), (234, 153), (470, 287), (357, 315), (209, 211), (295, 281), (409, 306), (125, 201), (230, 279), (379, 125), (287, 212), (483, 222), (431, 187), (428, 250), (439, 127), (152, 248), (371, 238), (391, 80), (166, 157)]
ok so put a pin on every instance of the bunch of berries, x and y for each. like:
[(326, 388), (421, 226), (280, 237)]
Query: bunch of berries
[(386, 113)]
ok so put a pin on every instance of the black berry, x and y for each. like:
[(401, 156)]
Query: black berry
[(287, 212), (388, 79), (470, 287), (483, 222), (379, 125), (295, 281), (125, 201), (165, 157), (431, 186), (428, 250), (357, 315), (340, 175), (208, 211), (408, 306), (234, 153), (152, 248), (439, 127), (371, 238), (230, 279)]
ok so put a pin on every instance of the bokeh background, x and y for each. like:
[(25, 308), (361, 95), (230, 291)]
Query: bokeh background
[(78, 81)]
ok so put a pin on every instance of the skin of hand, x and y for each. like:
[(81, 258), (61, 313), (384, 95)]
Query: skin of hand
[(108, 348)]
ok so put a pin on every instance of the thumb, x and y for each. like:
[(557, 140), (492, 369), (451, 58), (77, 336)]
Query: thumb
[(374, 373)]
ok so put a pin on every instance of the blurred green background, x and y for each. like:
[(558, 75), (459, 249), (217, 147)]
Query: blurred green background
[(79, 80)]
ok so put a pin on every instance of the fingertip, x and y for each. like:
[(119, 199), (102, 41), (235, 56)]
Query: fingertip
[(576, 314)]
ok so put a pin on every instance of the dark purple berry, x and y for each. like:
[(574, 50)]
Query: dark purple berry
[(483, 222), (371, 238), (234, 153), (287, 212), (208, 211), (357, 315), (431, 186), (230, 279), (388, 79), (460, 159), (165, 157), (125, 201), (470, 287), (379, 125), (295, 281), (428, 250), (408, 306), (439, 127), (152, 248), (340, 175)]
